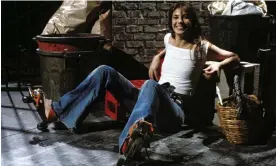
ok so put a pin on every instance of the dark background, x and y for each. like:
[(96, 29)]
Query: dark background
[(21, 21)]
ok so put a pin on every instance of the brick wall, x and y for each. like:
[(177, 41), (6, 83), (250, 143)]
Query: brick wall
[(135, 26)]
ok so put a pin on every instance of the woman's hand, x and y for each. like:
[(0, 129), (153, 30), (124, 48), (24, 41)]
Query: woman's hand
[(212, 69), (154, 69)]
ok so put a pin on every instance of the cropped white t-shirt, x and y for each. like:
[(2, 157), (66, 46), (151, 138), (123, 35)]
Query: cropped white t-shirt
[(180, 68)]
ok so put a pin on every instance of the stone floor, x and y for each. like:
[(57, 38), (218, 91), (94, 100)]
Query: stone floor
[(22, 144)]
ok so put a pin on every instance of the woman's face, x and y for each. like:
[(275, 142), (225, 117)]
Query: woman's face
[(180, 21)]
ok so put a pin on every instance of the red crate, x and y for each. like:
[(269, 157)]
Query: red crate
[(137, 83), (113, 108)]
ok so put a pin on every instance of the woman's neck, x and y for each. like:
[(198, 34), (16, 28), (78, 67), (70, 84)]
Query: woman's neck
[(181, 42)]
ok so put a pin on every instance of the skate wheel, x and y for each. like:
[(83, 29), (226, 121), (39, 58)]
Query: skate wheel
[(27, 99), (42, 126)]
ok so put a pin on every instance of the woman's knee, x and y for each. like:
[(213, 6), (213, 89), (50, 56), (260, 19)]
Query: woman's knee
[(102, 69)]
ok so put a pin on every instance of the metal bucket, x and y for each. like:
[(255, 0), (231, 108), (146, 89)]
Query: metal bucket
[(62, 58)]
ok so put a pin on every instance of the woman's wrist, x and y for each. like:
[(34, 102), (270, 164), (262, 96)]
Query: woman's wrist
[(220, 65)]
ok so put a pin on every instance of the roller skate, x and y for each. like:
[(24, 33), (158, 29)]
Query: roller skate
[(139, 137), (37, 97)]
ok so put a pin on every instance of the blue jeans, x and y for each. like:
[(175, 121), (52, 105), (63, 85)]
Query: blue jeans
[(153, 104)]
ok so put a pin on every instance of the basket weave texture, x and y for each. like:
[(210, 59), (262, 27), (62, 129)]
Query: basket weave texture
[(238, 131)]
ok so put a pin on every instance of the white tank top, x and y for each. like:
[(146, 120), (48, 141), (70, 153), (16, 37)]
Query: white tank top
[(180, 69)]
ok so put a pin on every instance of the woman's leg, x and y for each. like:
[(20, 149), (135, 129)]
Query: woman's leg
[(154, 106), (73, 104)]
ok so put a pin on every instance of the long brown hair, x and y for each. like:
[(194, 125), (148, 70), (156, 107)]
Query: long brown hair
[(195, 33)]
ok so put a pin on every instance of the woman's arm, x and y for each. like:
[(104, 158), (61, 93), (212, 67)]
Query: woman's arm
[(162, 54), (225, 57), (154, 69), (217, 54)]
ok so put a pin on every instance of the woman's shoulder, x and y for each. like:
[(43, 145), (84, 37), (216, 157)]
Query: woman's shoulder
[(205, 43), (167, 37), (168, 34)]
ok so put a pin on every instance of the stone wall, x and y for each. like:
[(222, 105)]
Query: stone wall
[(135, 26)]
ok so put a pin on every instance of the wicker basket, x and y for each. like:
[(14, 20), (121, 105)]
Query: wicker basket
[(238, 131)]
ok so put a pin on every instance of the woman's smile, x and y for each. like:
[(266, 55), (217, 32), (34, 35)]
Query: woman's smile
[(180, 21)]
